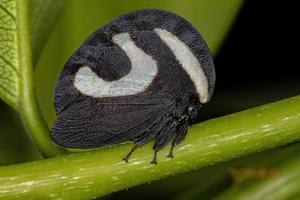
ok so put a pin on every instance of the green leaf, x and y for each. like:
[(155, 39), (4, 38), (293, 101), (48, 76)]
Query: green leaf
[(9, 67), (40, 24), (16, 81), (92, 174), (43, 17)]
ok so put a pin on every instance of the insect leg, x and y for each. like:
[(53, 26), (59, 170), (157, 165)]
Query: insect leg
[(130, 152), (182, 131), (140, 143), (145, 138), (154, 158), (163, 138)]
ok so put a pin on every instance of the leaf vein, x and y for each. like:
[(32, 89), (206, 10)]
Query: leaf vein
[(7, 91), (7, 12), (10, 64)]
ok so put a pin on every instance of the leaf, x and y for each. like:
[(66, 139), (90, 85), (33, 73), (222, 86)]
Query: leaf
[(16, 82), (43, 17), (9, 67), (97, 173), (40, 24)]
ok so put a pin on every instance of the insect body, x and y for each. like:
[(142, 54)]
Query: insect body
[(141, 77)]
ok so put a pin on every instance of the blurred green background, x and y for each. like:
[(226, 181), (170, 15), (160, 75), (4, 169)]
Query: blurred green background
[(247, 75)]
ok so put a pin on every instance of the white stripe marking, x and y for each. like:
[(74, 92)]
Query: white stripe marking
[(188, 61), (143, 70)]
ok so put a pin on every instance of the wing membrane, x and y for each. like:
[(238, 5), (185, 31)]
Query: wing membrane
[(89, 124)]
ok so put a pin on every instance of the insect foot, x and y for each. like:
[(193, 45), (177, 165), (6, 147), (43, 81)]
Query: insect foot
[(154, 160)]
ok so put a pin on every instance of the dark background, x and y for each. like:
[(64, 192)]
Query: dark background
[(261, 45), (257, 63)]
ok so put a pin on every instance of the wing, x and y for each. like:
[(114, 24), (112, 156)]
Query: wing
[(92, 123)]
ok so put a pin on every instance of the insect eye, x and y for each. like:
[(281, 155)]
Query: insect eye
[(192, 111)]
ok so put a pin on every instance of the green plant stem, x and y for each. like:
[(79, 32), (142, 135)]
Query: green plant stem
[(27, 103), (270, 161), (96, 173), (284, 185)]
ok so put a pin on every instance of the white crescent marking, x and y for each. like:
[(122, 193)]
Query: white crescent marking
[(188, 61), (143, 70)]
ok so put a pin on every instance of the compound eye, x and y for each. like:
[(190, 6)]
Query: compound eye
[(192, 111)]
